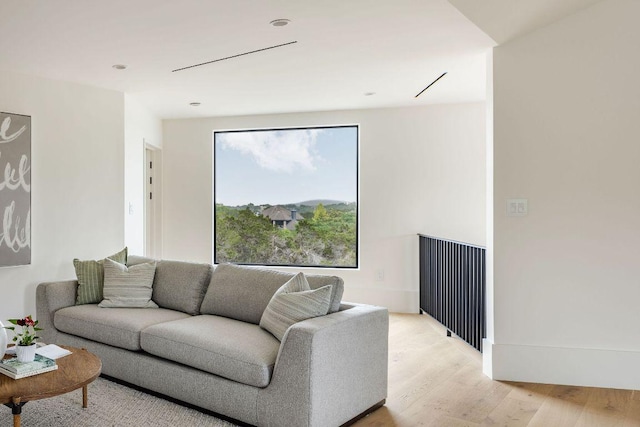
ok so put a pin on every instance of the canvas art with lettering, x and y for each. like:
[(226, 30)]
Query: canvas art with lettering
[(15, 189)]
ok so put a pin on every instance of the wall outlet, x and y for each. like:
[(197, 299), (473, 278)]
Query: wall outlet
[(517, 207), (380, 275), (130, 208)]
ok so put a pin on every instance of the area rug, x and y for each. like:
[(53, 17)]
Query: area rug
[(111, 405)]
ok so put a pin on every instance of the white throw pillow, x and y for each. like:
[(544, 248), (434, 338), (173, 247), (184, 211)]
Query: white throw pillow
[(128, 287), (293, 302)]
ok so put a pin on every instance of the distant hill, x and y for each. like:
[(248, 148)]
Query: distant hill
[(308, 206), (316, 202)]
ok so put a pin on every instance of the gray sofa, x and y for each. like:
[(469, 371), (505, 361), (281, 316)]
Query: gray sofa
[(203, 345)]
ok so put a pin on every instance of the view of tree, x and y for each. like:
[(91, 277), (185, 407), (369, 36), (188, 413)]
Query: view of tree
[(327, 236), (314, 167)]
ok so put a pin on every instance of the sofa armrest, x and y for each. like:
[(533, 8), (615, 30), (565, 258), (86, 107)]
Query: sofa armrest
[(51, 297), (329, 369)]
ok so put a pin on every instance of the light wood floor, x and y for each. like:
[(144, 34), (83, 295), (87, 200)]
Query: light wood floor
[(438, 381)]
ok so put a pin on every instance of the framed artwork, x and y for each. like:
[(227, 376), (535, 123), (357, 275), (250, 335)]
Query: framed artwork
[(287, 197), (15, 189)]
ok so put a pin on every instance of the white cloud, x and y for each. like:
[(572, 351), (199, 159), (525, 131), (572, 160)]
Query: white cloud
[(278, 151)]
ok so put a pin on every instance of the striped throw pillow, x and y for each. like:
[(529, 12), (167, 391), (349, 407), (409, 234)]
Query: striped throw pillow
[(91, 278), (293, 302), (128, 286)]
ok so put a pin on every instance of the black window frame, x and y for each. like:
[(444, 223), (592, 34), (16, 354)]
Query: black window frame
[(356, 266)]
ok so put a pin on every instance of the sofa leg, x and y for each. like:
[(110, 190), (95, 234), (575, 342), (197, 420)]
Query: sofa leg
[(365, 413)]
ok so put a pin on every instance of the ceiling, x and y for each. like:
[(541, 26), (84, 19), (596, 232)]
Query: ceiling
[(505, 20), (343, 51)]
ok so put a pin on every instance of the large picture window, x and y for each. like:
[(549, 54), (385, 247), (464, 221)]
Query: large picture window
[(287, 197)]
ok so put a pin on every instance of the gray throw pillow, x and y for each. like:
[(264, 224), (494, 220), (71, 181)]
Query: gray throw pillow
[(293, 302), (243, 292), (91, 277), (128, 286)]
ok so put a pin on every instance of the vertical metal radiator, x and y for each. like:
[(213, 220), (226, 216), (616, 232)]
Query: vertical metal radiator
[(452, 287)]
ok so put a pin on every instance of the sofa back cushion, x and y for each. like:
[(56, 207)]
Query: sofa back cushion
[(178, 285), (137, 259), (243, 293)]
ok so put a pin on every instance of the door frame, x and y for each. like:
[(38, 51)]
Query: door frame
[(152, 185)]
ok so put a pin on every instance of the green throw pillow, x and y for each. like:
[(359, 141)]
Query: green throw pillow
[(293, 302), (91, 277)]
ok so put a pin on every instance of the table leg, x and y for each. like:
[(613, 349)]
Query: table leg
[(85, 397), (16, 410)]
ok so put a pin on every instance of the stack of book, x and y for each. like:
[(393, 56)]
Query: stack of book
[(16, 370)]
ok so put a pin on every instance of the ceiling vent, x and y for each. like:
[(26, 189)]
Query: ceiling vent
[(233, 56), (431, 84)]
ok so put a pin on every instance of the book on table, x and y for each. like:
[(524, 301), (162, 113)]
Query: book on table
[(52, 351), (16, 370)]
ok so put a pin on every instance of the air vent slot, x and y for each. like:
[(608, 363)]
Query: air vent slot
[(233, 56), (430, 84)]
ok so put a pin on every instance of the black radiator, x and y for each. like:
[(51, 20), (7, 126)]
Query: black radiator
[(452, 286)]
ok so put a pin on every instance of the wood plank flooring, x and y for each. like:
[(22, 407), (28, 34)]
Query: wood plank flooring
[(438, 381)]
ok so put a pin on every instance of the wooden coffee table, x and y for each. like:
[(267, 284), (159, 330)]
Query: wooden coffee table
[(74, 371)]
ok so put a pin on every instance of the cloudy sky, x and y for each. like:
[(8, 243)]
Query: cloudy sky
[(285, 166)]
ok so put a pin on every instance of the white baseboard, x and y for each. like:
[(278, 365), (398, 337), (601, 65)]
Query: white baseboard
[(568, 366), (396, 300)]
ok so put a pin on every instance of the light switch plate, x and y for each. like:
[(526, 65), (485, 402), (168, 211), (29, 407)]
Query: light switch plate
[(517, 207)]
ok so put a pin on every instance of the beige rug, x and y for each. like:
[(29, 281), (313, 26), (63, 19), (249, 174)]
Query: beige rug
[(110, 404)]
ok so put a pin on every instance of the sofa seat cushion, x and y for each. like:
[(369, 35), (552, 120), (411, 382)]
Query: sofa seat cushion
[(239, 351), (118, 327)]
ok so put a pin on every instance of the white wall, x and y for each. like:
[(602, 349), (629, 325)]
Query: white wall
[(422, 170), (489, 297), (142, 129), (567, 137), (77, 181)]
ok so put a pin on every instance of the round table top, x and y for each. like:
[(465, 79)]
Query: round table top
[(74, 371)]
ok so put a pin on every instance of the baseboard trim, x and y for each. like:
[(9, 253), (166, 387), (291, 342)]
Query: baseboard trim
[(396, 300), (560, 365)]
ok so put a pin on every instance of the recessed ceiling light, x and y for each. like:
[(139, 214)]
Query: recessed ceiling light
[(194, 104), (120, 67), (279, 22)]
